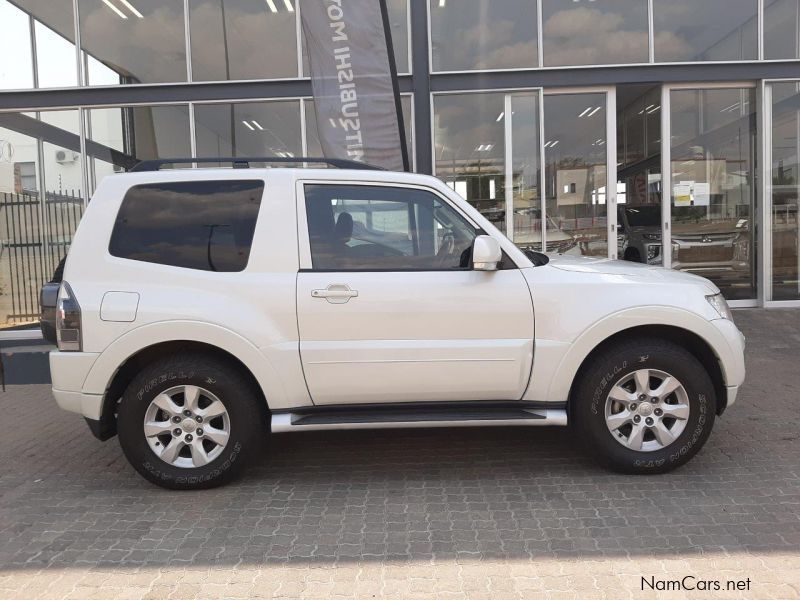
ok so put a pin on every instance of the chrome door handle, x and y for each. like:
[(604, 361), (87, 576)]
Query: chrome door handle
[(335, 293)]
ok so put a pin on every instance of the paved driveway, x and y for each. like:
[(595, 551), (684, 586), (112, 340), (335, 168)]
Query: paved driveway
[(464, 513)]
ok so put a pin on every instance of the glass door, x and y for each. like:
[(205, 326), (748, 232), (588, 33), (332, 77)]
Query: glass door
[(709, 157), (639, 173), (534, 163), (556, 150), (522, 119), (782, 108), (579, 180), (469, 135)]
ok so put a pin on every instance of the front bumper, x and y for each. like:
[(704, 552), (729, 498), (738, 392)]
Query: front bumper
[(730, 394), (731, 358)]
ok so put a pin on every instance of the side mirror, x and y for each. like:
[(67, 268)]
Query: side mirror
[(486, 253)]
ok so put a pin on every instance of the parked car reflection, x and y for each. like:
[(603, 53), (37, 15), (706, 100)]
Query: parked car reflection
[(708, 247), (528, 232)]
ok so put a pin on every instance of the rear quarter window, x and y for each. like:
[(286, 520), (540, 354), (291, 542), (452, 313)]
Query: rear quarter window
[(204, 225)]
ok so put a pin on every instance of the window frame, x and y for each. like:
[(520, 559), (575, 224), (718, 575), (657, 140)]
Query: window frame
[(304, 241)]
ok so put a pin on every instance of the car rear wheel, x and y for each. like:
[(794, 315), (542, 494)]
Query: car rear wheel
[(189, 421), (644, 406), (632, 255)]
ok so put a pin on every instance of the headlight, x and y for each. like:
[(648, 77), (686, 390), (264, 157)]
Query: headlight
[(721, 306)]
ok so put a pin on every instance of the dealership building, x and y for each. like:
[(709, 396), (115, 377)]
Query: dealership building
[(658, 131)]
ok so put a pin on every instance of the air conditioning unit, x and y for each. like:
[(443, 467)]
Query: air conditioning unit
[(66, 156)]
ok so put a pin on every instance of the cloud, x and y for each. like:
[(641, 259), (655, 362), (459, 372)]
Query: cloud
[(671, 47), (588, 36), (484, 46), (581, 22)]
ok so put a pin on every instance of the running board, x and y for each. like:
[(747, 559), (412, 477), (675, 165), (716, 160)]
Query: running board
[(391, 418)]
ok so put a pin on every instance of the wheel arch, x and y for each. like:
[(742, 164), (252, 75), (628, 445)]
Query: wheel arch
[(116, 366), (150, 354), (698, 346)]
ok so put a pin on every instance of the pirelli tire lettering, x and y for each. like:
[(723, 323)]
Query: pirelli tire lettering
[(656, 451)]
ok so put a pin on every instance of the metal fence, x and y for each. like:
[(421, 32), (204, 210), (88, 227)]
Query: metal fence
[(35, 234)]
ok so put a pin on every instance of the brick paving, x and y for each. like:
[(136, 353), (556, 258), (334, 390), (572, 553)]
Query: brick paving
[(464, 513)]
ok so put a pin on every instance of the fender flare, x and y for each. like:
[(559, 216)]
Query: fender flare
[(731, 363), (123, 348)]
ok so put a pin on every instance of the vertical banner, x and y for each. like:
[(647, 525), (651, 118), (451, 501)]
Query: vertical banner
[(354, 80)]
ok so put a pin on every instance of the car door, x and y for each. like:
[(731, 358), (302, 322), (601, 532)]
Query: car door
[(389, 308)]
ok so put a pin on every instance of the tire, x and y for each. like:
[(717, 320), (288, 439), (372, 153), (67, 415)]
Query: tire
[(176, 377), (632, 255), (621, 369)]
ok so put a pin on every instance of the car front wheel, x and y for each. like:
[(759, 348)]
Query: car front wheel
[(189, 421), (644, 406)]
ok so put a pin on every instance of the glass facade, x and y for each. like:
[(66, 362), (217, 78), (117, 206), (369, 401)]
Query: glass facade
[(41, 202), (231, 39), (140, 42), (784, 180), (470, 150), (692, 30), (43, 34), (249, 129), (567, 165), (172, 41), (160, 41), (713, 192), (119, 137), (575, 173), (314, 149), (781, 29), (594, 33), (524, 169), (483, 34)]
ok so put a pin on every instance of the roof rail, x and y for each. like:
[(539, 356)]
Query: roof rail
[(243, 162)]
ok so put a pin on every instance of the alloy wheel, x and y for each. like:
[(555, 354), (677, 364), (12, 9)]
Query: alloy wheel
[(647, 410), (187, 426)]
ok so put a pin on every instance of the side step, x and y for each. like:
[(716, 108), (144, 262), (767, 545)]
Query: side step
[(376, 417)]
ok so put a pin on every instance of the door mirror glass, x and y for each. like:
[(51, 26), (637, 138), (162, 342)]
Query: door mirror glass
[(486, 253)]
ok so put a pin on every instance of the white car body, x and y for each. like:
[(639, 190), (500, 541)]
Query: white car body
[(517, 335)]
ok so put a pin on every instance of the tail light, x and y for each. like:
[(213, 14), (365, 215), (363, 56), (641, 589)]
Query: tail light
[(68, 320)]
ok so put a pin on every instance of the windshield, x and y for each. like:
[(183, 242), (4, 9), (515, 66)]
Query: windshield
[(643, 216)]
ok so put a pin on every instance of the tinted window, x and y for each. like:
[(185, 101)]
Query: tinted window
[(206, 225), (353, 227)]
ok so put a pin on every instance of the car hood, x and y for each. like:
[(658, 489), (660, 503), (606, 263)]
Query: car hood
[(646, 229), (688, 233), (637, 271)]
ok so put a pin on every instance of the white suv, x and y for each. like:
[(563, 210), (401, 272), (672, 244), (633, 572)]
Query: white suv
[(203, 308)]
